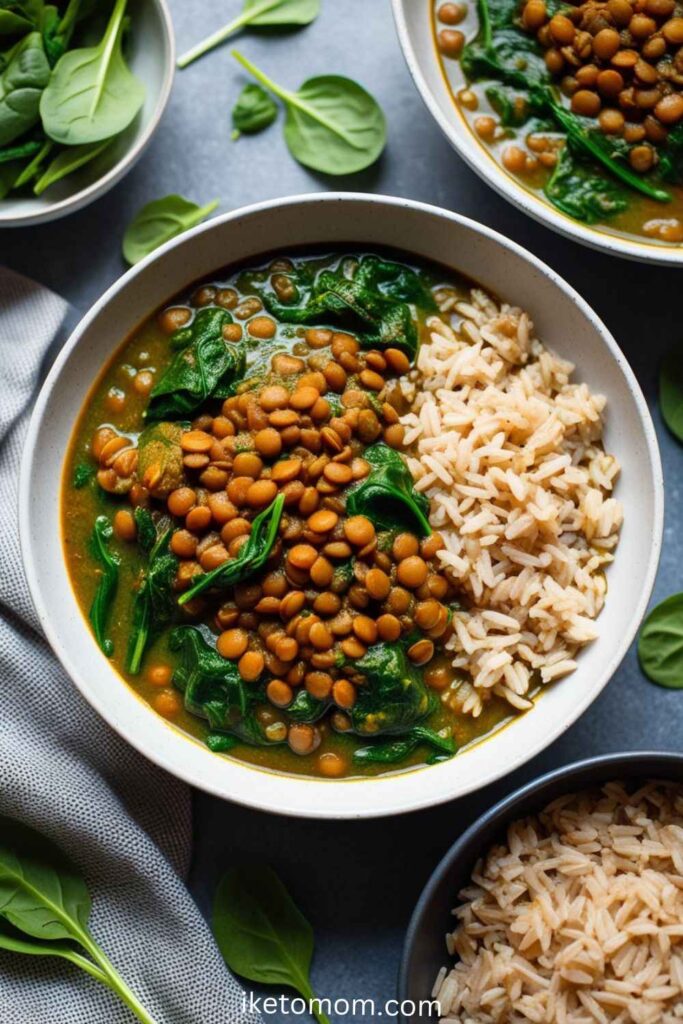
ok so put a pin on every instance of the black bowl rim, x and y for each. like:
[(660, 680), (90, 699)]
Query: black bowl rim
[(653, 762)]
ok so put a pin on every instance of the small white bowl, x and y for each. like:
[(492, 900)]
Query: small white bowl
[(563, 321), (414, 26), (151, 56)]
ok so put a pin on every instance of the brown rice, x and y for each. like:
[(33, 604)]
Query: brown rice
[(577, 919), (509, 451)]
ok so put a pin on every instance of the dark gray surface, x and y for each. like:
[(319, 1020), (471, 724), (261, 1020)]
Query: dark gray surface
[(358, 881)]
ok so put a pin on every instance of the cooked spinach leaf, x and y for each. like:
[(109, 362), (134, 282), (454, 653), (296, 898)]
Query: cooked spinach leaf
[(83, 474), (332, 124), (660, 645), (388, 496), (160, 221), (254, 111), (213, 689), (671, 391), (306, 708), (45, 906), (396, 751), (513, 108), (206, 367), (251, 557), (21, 85), (261, 933), (154, 605), (375, 299), (92, 95), (580, 193), (107, 583), (394, 697), (259, 13)]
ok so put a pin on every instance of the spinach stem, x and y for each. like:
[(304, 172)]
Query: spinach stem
[(268, 83), (113, 979), (108, 45), (69, 18), (228, 30), (32, 169)]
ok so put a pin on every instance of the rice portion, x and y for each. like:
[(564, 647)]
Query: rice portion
[(508, 450), (577, 919)]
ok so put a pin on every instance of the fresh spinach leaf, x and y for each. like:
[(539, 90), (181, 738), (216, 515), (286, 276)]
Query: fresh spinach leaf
[(396, 751), (9, 176), (154, 605), (160, 458), (92, 94), (254, 111), (21, 84), (207, 367), (261, 933), (19, 151), (660, 645), (68, 161), (14, 21), (107, 583), (671, 391), (57, 29), (582, 194), (394, 697), (332, 124), (83, 474), (44, 898), (213, 689), (251, 557), (33, 168), (388, 496), (375, 300), (158, 222), (259, 13)]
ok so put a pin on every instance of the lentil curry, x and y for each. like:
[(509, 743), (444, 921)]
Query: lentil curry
[(243, 532), (580, 102)]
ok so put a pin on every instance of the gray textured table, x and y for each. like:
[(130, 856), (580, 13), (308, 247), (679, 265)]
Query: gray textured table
[(358, 881)]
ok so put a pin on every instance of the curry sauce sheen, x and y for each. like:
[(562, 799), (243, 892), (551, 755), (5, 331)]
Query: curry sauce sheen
[(277, 588)]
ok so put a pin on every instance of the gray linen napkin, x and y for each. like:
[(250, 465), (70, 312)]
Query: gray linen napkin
[(63, 771)]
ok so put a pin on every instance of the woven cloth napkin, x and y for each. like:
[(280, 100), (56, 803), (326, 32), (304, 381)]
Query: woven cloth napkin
[(123, 821)]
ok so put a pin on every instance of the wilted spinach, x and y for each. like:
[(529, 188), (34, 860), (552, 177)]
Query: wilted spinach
[(332, 124), (83, 474), (21, 85), (261, 933), (206, 367), (154, 605), (251, 557), (388, 496), (578, 192), (92, 94), (396, 751), (660, 645), (254, 111), (160, 221), (374, 298), (260, 14), (107, 583), (213, 689), (394, 697), (45, 906)]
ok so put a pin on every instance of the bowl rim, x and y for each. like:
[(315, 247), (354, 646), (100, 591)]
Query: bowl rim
[(484, 164), (502, 812), (296, 799), (76, 201)]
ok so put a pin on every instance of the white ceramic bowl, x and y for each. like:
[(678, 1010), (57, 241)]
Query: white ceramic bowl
[(563, 320), (414, 26), (151, 55)]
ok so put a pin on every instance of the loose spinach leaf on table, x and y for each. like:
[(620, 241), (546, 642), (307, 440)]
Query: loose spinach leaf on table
[(671, 391), (253, 111), (154, 605), (214, 690), (206, 367), (580, 193), (45, 906), (396, 751), (261, 14), (660, 645), (388, 496), (375, 299), (107, 583), (250, 558), (69, 160), (21, 85), (332, 124), (92, 94), (158, 222), (261, 933)]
